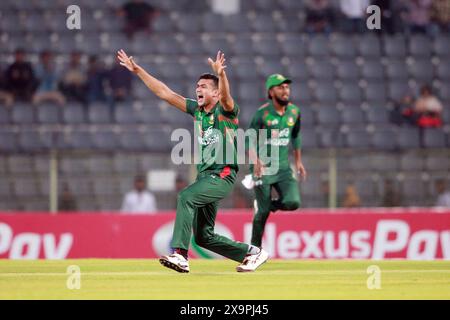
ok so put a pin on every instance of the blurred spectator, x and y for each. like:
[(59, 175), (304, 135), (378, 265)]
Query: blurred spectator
[(351, 198), (139, 200), (138, 16), (417, 15), (319, 16), (391, 197), (96, 76), (48, 80), (19, 77), (440, 14), (73, 83), (428, 109), (119, 80), (5, 97), (443, 199), (67, 201), (354, 12), (403, 111)]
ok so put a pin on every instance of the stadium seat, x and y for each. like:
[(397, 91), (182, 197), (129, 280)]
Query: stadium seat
[(236, 23), (437, 162), (79, 140), (434, 138), (408, 138), (352, 115), (48, 114), (396, 70), (343, 47), (131, 140), (377, 115), (375, 93), (105, 140), (330, 138), (263, 23), (322, 70), (100, 164), (125, 114), (318, 46), (309, 139), (244, 70), (372, 70), (162, 24), (30, 141), (99, 113), (369, 47), (420, 46), (328, 116), (347, 70), (189, 23), (358, 139), (73, 113), (168, 47), (411, 161), (8, 143), (443, 70), (422, 71), (297, 70), (441, 45), (4, 115), (397, 90), (267, 48), (212, 22), (326, 93), (383, 140), (157, 140), (269, 67), (350, 94), (73, 166), (395, 46), (22, 114), (293, 45)]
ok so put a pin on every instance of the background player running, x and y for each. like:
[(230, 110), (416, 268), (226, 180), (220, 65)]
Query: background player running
[(282, 121)]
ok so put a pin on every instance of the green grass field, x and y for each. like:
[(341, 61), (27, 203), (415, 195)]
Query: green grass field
[(216, 279)]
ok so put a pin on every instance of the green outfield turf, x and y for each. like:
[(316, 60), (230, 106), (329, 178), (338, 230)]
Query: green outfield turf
[(216, 279)]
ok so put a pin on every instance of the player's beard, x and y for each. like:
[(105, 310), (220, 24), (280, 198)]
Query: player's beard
[(282, 102)]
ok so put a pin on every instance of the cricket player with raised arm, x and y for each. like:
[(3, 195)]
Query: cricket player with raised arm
[(281, 120), (215, 114)]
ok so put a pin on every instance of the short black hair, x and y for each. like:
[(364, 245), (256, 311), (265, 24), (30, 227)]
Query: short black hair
[(210, 76)]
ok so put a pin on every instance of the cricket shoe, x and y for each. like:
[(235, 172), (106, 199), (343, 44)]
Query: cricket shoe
[(253, 261), (176, 262)]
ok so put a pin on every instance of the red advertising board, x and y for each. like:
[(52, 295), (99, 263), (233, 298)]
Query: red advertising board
[(419, 234)]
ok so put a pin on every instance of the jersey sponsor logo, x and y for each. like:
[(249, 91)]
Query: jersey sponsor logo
[(273, 122), (210, 136), (278, 138)]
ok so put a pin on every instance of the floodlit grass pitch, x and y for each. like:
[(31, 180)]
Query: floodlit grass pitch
[(216, 279)]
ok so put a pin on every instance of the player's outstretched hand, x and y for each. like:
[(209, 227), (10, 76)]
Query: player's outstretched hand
[(218, 66), (126, 61)]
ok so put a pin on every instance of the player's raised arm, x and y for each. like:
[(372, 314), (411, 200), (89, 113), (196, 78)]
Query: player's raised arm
[(218, 67), (156, 86)]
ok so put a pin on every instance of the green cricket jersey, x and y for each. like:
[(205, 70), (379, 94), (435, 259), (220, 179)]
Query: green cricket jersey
[(281, 129), (215, 132)]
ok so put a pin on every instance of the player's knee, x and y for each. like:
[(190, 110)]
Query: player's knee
[(292, 204)]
